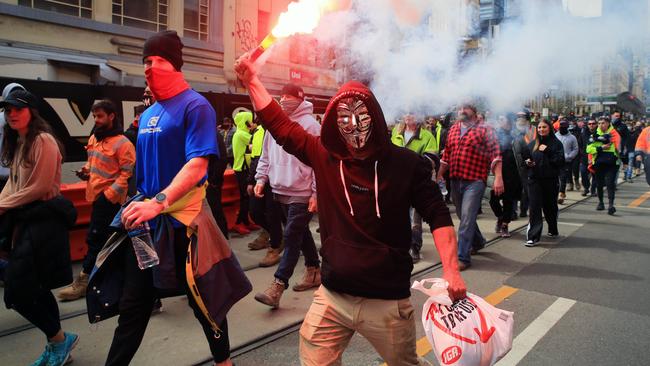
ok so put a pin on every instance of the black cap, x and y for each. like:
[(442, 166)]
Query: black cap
[(19, 98), (167, 45), (293, 90)]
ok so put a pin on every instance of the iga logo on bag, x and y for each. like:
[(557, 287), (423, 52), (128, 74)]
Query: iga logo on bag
[(451, 355), (468, 332)]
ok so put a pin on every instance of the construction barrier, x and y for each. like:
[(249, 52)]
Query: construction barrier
[(76, 192)]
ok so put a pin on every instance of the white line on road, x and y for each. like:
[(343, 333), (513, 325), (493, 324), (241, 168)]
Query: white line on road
[(527, 339), (570, 224)]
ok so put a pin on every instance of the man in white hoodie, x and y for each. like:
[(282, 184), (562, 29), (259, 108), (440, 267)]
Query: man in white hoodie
[(4, 171), (294, 188)]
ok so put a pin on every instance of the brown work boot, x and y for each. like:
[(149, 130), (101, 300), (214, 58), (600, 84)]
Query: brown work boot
[(310, 279), (76, 290), (561, 198), (272, 258), (271, 296), (261, 242)]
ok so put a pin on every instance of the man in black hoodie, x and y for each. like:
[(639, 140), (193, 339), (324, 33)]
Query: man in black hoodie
[(366, 187)]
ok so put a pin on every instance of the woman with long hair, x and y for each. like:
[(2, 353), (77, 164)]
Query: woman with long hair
[(34, 221), (544, 158)]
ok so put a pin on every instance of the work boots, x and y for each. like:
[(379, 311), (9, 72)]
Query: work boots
[(261, 242), (272, 257), (310, 279), (271, 296), (76, 290), (561, 198)]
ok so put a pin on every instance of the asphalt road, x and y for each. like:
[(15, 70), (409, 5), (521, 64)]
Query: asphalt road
[(579, 299)]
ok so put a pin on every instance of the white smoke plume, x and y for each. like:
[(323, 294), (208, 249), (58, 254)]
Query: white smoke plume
[(413, 61)]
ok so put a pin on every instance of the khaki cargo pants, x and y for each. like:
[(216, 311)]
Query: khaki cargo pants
[(333, 318)]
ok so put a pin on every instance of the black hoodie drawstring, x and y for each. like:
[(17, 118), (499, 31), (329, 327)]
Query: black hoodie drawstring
[(347, 195)]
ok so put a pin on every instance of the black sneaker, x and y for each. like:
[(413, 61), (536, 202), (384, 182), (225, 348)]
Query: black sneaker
[(552, 235), (157, 307), (498, 226), (611, 210), (584, 194), (530, 243), (600, 207), (415, 255)]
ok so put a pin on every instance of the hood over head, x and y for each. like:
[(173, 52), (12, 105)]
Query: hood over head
[(241, 118), (331, 138)]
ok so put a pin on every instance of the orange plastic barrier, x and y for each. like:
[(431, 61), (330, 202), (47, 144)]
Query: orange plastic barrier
[(76, 192)]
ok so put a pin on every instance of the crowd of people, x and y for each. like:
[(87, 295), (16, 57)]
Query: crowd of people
[(372, 187)]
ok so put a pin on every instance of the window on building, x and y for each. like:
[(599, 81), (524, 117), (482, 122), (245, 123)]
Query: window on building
[(306, 50), (196, 19), (146, 14), (77, 8)]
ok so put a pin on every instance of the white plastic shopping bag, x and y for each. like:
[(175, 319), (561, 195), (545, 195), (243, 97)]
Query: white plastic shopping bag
[(469, 332)]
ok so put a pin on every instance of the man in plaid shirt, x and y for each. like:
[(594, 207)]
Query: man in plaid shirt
[(472, 150)]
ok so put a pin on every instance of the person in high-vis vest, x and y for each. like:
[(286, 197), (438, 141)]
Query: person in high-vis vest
[(264, 210), (111, 159), (604, 146), (415, 137), (642, 150), (241, 165)]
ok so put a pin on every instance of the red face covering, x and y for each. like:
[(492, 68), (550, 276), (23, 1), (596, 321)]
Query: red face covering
[(163, 80)]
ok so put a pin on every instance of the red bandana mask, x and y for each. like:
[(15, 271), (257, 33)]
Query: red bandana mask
[(163, 80)]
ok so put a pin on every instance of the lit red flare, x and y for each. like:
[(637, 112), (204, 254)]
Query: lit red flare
[(301, 17)]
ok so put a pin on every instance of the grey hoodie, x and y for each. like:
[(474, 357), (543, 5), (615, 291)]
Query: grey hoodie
[(287, 175), (570, 144)]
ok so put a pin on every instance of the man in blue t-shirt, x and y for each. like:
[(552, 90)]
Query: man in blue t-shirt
[(176, 137)]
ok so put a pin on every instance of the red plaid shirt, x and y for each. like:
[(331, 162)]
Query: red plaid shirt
[(470, 157)]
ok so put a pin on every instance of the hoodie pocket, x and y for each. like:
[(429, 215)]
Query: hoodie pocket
[(365, 264)]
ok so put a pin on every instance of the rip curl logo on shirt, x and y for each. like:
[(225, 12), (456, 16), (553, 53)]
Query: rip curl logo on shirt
[(152, 126), (153, 121)]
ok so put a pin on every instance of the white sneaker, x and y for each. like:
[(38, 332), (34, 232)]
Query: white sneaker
[(530, 243)]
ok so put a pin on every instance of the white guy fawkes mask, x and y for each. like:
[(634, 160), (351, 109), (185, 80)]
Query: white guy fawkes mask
[(354, 122)]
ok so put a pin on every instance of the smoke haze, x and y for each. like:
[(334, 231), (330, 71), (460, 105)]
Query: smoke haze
[(413, 61)]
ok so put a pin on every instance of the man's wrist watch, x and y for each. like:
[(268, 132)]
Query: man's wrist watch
[(161, 198)]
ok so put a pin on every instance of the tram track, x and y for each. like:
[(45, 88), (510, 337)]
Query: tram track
[(270, 337)]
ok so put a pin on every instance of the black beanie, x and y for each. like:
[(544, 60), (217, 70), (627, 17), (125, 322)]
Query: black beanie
[(167, 45)]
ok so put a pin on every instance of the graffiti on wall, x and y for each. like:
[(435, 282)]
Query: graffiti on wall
[(244, 31)]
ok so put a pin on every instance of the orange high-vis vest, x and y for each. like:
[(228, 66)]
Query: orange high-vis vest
[(110, 163), (643, 143)]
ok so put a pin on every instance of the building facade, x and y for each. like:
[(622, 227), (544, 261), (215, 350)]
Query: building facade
[(99, 42)]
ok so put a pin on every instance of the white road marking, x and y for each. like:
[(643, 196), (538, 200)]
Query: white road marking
[(527, 339), (570, 224)]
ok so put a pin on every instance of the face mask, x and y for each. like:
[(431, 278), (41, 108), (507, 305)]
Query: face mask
[(290, 105), (354, 122), (164, 83)]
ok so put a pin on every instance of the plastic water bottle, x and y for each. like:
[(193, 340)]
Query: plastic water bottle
[(443, 188), (143, 246)]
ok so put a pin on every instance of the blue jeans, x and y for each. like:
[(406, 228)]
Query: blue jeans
[(630, 165), (416, 230), (588, 183), (467, 196), (296, 237)]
